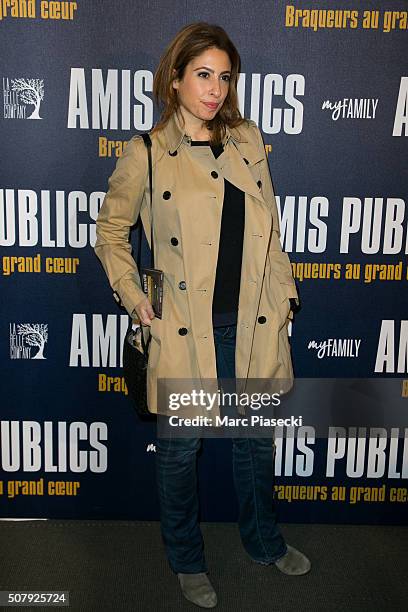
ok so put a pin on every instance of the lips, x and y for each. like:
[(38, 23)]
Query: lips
[(211, 105)]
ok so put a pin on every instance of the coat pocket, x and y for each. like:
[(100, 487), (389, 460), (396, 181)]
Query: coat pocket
[(280, 265), (282, 286), (156, 329), (155, 344)]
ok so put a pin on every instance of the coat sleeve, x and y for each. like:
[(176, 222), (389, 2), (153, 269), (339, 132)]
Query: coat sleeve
[(279, 259), (118, 213)]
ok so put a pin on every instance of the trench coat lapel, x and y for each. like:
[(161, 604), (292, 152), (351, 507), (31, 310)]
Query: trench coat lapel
[(234, 169), (231, 162)]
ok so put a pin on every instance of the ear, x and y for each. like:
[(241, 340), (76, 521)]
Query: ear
[(175, 81)]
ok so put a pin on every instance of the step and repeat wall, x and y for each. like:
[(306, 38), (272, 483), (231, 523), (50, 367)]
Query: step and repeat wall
[(327, 83)]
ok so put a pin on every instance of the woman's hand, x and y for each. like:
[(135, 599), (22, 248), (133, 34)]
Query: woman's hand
[(144, 311)]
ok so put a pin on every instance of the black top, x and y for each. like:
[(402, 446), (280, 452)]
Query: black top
[(228, 273)]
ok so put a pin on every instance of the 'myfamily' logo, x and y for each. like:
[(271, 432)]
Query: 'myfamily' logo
[(352, 108), (18, 94), (27, 340), (336, 347)]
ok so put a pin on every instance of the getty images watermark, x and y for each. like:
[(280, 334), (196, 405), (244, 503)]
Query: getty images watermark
[(262, 407), (225, 413), (208, 400)]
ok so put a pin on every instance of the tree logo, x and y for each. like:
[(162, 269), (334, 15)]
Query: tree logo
[(18, 94), (26, 338)]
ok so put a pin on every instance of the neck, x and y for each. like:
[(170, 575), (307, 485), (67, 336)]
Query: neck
[(197, 134), (197, 130)]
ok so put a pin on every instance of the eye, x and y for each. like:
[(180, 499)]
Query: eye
[(203, 73), (226, 77)]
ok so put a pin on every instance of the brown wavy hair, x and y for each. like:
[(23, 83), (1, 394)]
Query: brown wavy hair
[(189, 43)]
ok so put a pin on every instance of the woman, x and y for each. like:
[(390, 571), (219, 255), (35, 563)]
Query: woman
[(227, 283)]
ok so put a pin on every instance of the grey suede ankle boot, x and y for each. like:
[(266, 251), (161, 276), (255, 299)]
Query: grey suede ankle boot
[(198, 589), (293, 563)]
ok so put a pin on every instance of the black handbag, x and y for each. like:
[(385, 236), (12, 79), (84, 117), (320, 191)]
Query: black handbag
[(136, 346)]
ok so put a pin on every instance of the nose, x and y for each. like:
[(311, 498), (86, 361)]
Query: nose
[(215, 88)]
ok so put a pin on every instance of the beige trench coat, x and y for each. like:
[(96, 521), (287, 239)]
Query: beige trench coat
[(188, 192)]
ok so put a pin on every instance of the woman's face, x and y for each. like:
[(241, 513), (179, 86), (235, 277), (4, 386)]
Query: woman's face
[(204, 87)]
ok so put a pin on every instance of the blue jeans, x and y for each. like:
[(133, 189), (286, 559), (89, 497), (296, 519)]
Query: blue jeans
[(253, 472)]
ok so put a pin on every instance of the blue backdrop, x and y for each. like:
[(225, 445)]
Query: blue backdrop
[(329, 90)]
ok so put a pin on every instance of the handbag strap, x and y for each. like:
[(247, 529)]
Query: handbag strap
[(148, 145)]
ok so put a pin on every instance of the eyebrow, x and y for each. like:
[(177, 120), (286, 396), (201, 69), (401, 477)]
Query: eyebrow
[(211, 70)]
